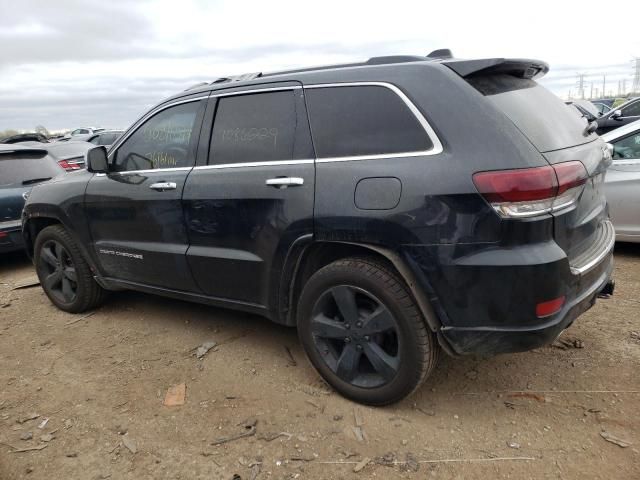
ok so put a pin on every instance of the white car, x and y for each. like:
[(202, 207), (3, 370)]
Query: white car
[(622, 184), (83, 131)]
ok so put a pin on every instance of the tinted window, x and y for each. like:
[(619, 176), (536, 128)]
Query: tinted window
[(538, 113), (163, 141), (95, 139), (632, 110), (107, 138), (255, 128), (19, 167), (362, 120), (628, 147)]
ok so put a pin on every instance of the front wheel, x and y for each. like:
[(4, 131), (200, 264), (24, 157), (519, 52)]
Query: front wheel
[(63, 272), (363, 332)]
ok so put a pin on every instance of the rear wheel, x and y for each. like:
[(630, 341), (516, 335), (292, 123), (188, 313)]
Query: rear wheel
[(63, 272), (363, 332)]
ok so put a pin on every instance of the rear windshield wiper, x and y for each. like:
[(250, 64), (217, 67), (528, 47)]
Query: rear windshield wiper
[(35, 180)]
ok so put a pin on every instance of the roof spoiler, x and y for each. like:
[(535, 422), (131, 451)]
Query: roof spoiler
[(518, 67), (32, 151)]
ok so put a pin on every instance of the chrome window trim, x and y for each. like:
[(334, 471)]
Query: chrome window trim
[(256, 90), (151, 170), (123, 138), (273, 163), (437, 145)]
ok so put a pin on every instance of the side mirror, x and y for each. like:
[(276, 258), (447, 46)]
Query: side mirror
[(96, 160), (616, 114)]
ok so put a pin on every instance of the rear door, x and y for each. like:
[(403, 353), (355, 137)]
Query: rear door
[(135, 213), (254, 197)]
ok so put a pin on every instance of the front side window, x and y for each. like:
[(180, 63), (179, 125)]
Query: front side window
[(628, 147), (95, 139), (106, 138), (632, 110), (163, 141), (363, 120), (255, 128)]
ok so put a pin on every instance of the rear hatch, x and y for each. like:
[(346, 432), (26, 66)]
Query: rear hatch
[(557, 131), (20, 169)]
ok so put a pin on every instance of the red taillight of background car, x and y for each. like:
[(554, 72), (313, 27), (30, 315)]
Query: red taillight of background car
[(527, 192), (69, 166)]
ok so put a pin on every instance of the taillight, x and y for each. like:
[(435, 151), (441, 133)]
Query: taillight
[(69, 167), (528, 192)]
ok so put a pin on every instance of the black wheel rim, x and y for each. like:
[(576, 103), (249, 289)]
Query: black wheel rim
[(356, 336), (57, 272)]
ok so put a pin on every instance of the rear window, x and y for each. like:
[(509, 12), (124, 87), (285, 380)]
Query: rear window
[(17, 168), (546, 121), (366, 120)]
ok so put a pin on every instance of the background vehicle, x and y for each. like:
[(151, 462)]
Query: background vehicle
[(622, 115), (69, 155), (82, 131), (623, 181), (388, 209), (105, 137), (602, 107), (20, 169), (587, 109), (25, 137)]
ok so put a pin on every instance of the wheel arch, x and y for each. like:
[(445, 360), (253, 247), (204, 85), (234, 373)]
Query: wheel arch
[(321, 253), (33, 225)]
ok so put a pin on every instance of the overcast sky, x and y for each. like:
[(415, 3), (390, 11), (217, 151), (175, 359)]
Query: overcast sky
[(70, 63)]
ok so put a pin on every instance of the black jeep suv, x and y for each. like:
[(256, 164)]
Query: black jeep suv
[(388, 209)]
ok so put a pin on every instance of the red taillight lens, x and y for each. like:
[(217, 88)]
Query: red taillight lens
[(3, 234), (69, 166), (517, 185), (527, 192), (544, 309), (570, 175)]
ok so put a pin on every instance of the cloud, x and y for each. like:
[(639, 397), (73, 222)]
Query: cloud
[(72, 62)]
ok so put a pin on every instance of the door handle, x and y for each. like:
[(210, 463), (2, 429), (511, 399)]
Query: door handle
[(162, 186), (284, 182)]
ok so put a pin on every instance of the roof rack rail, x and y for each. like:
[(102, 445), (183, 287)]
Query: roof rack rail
[(442, 53), (394, 59), (197, 85), (238, 78)]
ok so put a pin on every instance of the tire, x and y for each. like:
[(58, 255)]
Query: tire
[(390, 351), (64, 273)]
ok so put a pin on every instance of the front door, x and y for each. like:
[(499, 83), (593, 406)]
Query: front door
[(254, 198), (134, 212)]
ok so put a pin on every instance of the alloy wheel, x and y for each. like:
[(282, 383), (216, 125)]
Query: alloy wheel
[(57, 272), (356, 336)]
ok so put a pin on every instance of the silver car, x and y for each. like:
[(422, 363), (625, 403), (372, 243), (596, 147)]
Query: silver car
[(623, 181)]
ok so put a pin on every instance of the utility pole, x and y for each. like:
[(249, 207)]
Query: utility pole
[(580, 85), (636, 76), (591, 93), (624, 86), (604, 85)]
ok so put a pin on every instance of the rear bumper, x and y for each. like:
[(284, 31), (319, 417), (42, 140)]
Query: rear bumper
[(486, 296), (11, 239), (488, 340)]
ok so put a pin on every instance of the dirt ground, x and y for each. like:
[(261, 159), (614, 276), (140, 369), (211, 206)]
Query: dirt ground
[(101, 381)]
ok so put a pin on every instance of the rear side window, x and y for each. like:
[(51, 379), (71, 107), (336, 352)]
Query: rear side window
[(21, 168), (540, 115), (363, 120), (255, 128)]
